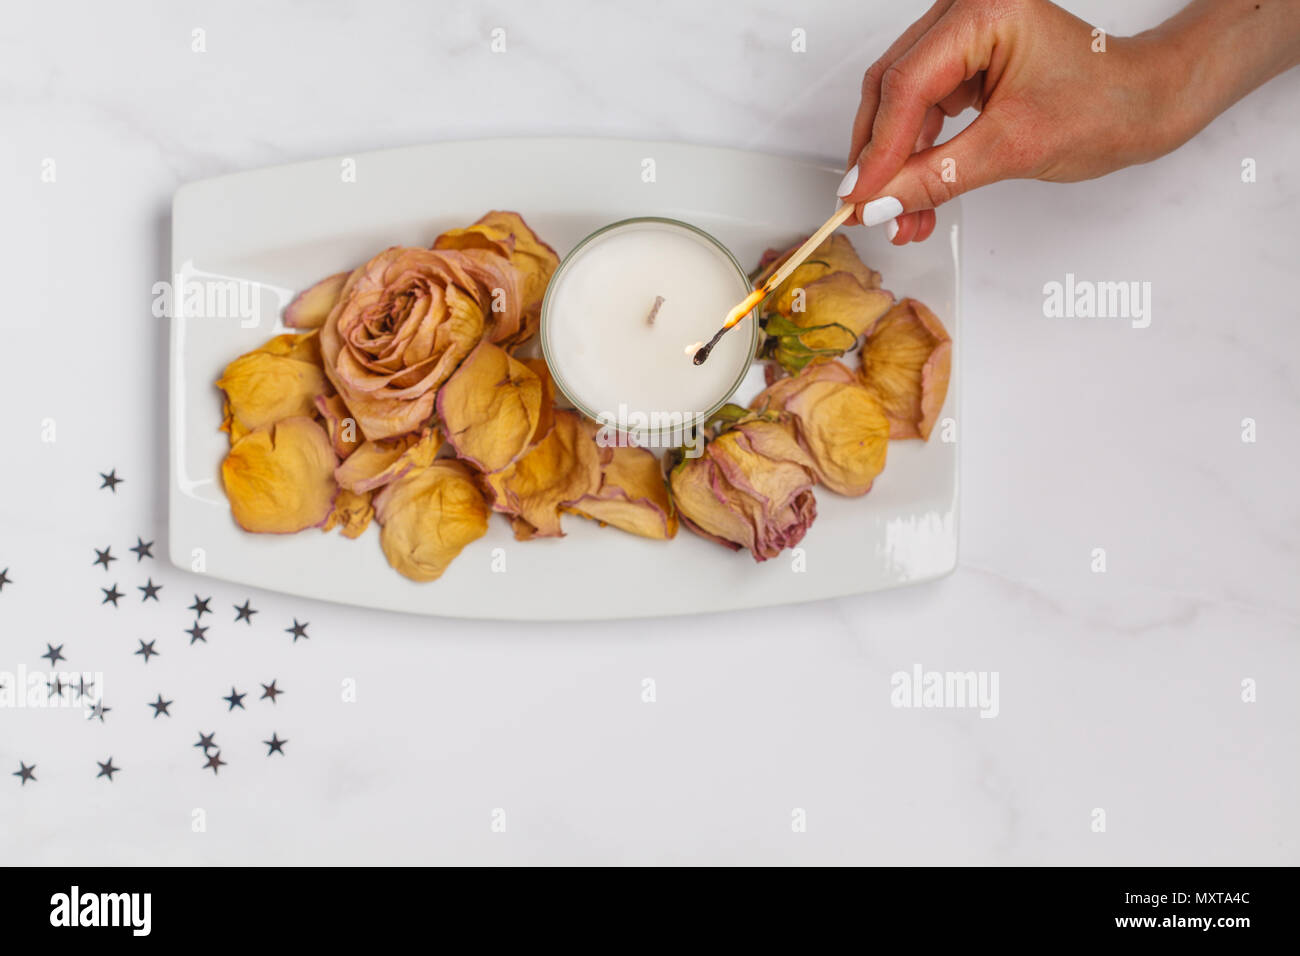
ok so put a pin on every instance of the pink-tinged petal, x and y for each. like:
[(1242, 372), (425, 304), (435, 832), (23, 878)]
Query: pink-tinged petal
[(906, 361), (312, 306), (428, 516), (633, 495)]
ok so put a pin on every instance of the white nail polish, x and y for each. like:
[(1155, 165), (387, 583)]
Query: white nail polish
[(848, 182), (891, 229), (881, 210)]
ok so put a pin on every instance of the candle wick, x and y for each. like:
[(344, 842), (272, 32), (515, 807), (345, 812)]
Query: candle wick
[(654, 310)]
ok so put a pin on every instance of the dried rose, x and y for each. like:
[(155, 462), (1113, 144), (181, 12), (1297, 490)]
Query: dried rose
[(280, 478), (277, 380), (351, 513), (751, 488), (507, 235), (836, 254), (561, 468), (824, 307), (633, 494), (376, 463), (837, 420), (906, 361), (427, 516), (490, 408), (311, 307), (402, 324)]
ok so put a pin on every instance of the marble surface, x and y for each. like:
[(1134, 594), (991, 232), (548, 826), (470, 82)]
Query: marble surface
[(1120, 691)]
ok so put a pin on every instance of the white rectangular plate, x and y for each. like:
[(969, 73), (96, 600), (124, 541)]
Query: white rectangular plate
[(285, 227)]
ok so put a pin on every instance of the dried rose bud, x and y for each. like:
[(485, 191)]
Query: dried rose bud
[(906, 361), (823, 308), (838, 421), (751, 488), (427, 516), (280, 478), (633, 494), (490, 408)]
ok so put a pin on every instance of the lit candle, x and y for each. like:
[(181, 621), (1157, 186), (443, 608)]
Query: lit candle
[(618, 311)]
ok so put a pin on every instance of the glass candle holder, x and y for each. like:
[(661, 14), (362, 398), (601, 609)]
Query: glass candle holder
[(623, 315)]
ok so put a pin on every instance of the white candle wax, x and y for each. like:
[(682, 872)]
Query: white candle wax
[(604, 353)]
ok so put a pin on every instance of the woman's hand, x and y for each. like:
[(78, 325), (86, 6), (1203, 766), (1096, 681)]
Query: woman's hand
[(1058, 100)]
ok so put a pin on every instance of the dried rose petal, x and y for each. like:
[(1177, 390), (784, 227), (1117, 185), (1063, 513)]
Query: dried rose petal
[(490, 408), (633, 494), (906, 361), (376, 463), (351, 513), (506, 234), (838, 421), (276, 381), (280, 478), (427, 516), (312, 306), (546, 419), (563, 467), (402, 324), (339, 425), (751, 488)]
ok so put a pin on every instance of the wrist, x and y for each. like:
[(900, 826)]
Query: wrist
[(1173, 71)]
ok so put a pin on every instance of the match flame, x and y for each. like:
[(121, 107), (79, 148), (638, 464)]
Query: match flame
[(746, 306)]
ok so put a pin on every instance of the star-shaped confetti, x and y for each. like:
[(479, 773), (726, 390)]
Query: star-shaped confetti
[(244, 613), (271, 691), (214, 761), (196, 633), (99, 710), (55, 654), (298, 630), (105, 556), (150, 590), (275, 745), (143, 549), (160, 707), (235, 699), (5, 579), (147, 650), (26, 772), (107, 770), (111, 481), (84, 686), (56, 687), (200, 606), (207, 740), (111, 594)]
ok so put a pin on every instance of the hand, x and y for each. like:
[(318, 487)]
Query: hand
[(1057, 101)]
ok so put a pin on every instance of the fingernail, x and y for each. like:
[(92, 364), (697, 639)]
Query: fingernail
[(881, 210), (891, 229), (848, 182)]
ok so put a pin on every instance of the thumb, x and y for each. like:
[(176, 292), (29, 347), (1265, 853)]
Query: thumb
[(977, 156)]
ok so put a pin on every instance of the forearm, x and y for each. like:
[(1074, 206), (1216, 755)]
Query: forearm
[(1217, 51)]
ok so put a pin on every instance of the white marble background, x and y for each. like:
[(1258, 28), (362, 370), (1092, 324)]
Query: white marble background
[(1119, 691)]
